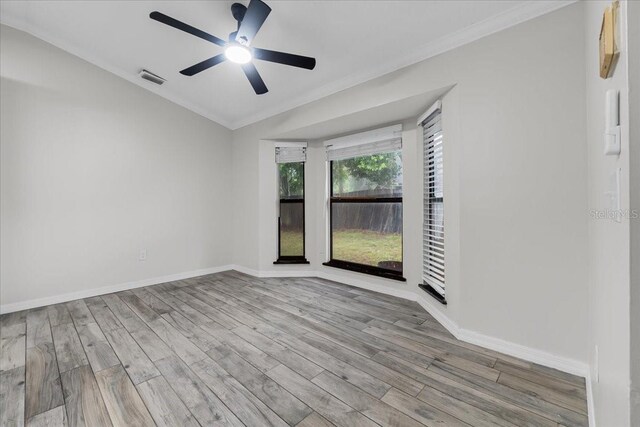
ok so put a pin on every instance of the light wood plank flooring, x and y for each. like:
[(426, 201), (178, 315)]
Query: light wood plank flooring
[(230, 349)]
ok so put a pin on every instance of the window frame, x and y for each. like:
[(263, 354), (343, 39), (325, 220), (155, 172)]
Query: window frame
[(354, 266), (433, 287), (292, 259)]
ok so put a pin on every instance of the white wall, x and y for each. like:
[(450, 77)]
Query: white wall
[(94, 169), (516, 132), (609, 261)]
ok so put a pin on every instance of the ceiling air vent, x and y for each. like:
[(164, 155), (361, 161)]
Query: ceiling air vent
[(148, 75)]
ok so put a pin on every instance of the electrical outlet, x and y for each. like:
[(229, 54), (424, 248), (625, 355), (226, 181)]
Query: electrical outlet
[(142, 256), (596, 365)]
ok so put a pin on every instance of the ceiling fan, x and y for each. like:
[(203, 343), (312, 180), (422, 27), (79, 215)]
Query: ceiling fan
[(238, 49)]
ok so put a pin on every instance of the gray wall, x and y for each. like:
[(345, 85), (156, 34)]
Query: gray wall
[(94, 169)]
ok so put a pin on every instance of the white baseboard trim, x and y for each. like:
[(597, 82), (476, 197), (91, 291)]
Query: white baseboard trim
[(520, 351), (86, 293), (529, 354), (274, 273)]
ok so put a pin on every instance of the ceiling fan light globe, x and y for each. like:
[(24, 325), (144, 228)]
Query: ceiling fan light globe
[(238, 54)]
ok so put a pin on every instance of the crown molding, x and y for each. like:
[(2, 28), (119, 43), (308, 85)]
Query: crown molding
[(527, 11)]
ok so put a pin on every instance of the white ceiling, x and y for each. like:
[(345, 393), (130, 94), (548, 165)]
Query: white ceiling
[(353, 41)]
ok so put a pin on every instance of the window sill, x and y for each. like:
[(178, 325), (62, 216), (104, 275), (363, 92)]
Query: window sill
[(366, 269), (291, 261), (429, 289)]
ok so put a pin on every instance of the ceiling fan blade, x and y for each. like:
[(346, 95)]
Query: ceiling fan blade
[(204, 65), (284, 58), (254, 17), (254, 78), (161, 17)]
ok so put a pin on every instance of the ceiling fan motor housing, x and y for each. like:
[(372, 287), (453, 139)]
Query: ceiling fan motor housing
[(238, 10)]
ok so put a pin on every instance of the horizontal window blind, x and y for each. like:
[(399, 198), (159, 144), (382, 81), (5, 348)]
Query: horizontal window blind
[(433, 260), (291, 154), (378, 141)]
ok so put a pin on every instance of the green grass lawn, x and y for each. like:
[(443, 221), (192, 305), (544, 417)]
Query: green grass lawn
[(363, 247), (291, 243)]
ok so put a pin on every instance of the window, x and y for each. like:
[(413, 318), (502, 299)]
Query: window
[(290, 159), (433, 209), (365, 202)]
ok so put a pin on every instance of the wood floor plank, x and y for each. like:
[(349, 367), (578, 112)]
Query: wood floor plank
[(58, 314), (121, 399), (56, 417), (123, 313), (69, 350), (12, 324), (201, 401), (319, 400), (38, 327), (250, 353), (182, 307), (103, 314), (554, 383), (165, 406), (96, 347), (292, 360), (368, 405), (432, 336), (461, 410), (534, 404), (84, 403), (138, 306), (383, 373), (153, 302), (249, 409), (545, 393), (12, 396), (198, 336), (420, 411), (545, 371), (13, 345), (315, 420), (283, 403), (207, 310), (480, 399), (151, 344), (134, 360), (213, 311), (433, 349), (79, 312), (43, 389), (177, 342), (327, 361)]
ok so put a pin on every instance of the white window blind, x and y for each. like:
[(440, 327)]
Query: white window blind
[(291, 152), (378, 141), (433, 210)]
